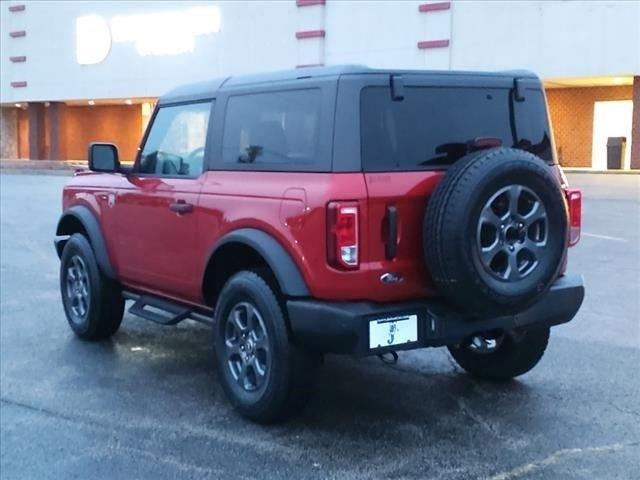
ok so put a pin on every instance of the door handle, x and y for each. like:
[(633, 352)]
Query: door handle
[(391, 245), (181, 206)]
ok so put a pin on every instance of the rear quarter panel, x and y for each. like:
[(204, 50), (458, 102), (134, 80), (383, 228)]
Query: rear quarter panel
[(291, 207)]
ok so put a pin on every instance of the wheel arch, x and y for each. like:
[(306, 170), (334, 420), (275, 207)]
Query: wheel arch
[(79, 219), (250, 248)]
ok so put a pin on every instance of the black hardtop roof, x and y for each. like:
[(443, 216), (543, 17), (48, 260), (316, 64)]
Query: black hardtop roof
[(208, 89)]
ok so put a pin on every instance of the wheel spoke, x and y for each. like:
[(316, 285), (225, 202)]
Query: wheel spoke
[(488, 253), (75, 261), (537, 213), (71, 273), (512, 272), (70, 285), (262, 343), (514, 196), (534, 248), (242, 374), (237, 321), (233, 348), (80, 304), (251, 318), (259, 370), (490, 217)]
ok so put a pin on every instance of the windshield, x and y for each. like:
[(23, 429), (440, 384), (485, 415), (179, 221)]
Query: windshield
[(435, 126)]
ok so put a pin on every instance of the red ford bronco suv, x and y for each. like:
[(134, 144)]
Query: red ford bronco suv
[(331, 210)]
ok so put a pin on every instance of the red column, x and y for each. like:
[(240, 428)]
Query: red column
[(37, 143), (54, 128)]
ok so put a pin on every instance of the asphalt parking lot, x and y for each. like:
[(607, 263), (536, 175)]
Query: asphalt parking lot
[(147, 403)]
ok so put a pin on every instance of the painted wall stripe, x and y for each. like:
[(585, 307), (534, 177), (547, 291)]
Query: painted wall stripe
[(17, 33), (433, 44), (434, 7), (310, 34), (309, 3), (17, 8), (19, 59), (19, 84)]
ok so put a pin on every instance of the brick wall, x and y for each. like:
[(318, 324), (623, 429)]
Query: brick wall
[(23, 133), (8, 132), (571, 112), (119, 124)]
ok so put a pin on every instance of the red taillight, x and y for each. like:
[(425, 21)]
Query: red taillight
[(342, 235), (574, 199)]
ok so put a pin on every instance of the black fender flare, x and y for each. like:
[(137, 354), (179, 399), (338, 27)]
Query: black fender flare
[(91, 226), (286, 271)]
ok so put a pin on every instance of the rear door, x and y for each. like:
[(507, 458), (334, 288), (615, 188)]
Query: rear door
[(156, 216), (407, 143)]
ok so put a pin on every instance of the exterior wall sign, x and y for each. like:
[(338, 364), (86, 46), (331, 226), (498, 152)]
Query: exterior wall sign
[(169, 32)]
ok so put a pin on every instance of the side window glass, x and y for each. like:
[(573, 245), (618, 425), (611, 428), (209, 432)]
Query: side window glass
[(176, 142), (275, 128)]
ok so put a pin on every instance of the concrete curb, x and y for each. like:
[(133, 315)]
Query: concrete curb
[(31, 171), (600, 172), (40, 167), (67, 167)]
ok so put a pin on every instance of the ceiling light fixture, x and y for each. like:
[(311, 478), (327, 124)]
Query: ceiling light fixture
[(91, 102), (128, 101)]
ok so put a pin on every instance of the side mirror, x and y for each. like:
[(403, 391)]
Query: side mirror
[(103, 157)]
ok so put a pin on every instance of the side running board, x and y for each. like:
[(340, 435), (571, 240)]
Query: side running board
[(163, 311)]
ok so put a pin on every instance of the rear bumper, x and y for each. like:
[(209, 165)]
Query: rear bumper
[(343, 327)]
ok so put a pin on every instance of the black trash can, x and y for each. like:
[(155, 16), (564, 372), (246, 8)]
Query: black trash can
[(615, 152)]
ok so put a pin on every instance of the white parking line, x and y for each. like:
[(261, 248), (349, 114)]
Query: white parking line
[(605, 237)]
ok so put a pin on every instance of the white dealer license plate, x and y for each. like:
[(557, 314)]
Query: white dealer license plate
[(385, 332)]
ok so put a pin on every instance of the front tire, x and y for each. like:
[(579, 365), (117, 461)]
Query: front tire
[(92, 302), (264, 375), (502, 357)]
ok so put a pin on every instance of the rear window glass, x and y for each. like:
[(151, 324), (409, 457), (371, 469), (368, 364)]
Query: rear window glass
[(278, 129), (434, 126)]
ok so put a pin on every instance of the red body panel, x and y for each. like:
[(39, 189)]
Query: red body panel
[(408, 192), (157, 250)]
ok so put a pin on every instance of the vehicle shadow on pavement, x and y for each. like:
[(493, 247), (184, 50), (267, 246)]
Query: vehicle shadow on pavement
[(424, 389), (352, 396), (365, 418)]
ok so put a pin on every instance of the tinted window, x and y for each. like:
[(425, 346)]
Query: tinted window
[(275, 129), (437, 126), (176, 141)]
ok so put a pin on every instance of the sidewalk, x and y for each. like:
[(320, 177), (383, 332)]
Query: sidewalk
[(67, 167), (606, 172), (41, 167)]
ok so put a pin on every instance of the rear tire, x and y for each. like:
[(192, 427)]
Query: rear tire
[(516, 354), (92, 302), (264, 375)]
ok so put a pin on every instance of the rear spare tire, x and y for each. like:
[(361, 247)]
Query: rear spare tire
[(495, 231)]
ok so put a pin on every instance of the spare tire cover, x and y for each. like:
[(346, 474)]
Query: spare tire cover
[(495, 231)]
